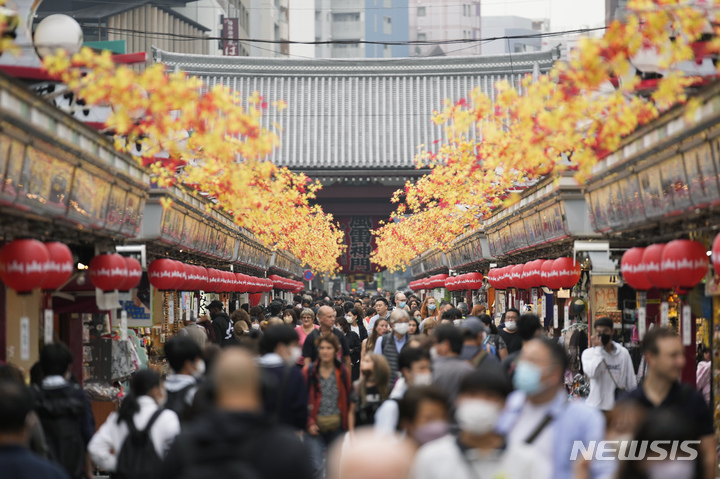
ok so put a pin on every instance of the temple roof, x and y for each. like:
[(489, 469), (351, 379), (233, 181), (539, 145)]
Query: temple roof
[(357, 114)]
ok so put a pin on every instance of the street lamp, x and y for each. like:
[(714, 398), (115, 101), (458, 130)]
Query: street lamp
[(57, 32)]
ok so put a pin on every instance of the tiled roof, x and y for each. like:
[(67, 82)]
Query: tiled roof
[(357, 114)]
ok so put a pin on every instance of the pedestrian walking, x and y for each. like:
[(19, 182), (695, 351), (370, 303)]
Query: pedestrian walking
[(608, 365), (369, 391), (390, 344), (64, 411), (16, 460), (193, 331), (329, 386), (235, 438), (119, 446), (222, 324)]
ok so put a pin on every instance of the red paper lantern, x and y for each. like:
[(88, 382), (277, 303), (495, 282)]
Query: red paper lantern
[(183, 282), (500, 278), (549, 275), (716, 254), (164, 274), (22, 264), (134, 274), (450, 283), (534, 276), (277, 281), (254, 299), (473, 281), (269, 285), (517, 277), (203, 279), (568, 272), (59, 267), (684, 262), (652, 258), (633, 269), (525, 277), (108, 272)]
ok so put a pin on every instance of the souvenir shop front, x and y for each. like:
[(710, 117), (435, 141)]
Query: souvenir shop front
[(656, 200)]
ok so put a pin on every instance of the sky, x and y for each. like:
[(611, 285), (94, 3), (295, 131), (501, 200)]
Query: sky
[(563, 14)]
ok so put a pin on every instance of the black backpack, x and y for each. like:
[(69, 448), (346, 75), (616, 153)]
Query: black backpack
[(61, 413), (176, 402), (138, 458)]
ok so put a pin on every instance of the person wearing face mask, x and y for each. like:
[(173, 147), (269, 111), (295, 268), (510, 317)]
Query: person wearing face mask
[(369, 391), (143, 407), (529, 327), (290, 317), (414, 366), (285, 398), (423, 414), (539, 415), (609, 367), (392, 343), (354, 344), (188, 368), (353, 316), (477, 451), (401, 301), (509, 332)]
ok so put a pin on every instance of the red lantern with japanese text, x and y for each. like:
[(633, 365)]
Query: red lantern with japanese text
[(685, 263), (108, 271), (59, 267), (164, 274), (22, 264), (652, 258), (134, 274), (633, 269), (568, 272)]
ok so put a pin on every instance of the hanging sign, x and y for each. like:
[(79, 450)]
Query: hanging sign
[(123, 325), (686, 325), (25, 338), (642, 313), (48, 327), (556, 317), (171, 309), (664, 314), (566, 318)]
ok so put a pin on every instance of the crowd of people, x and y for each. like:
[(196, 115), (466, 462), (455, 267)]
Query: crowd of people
[(356, 387)]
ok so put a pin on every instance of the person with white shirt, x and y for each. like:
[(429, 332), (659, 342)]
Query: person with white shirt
[(141, 406), (477, 451), (414, 366), (609, 367)]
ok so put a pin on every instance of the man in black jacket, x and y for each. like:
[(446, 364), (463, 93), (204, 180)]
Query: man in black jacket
[(237, 440), (222, 325), (285, 396)]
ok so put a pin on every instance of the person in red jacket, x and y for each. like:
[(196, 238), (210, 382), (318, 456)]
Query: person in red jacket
[(329, 399)]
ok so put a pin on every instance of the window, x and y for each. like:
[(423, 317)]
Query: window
[(387, 25), (422, 37), (464, 10), (387, 3), (387, 51), (421, 12), (375, 17), (346, 17)]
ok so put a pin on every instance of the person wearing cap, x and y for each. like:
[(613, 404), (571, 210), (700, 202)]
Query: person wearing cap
[(193, 331), (222, 325), (474, 349)]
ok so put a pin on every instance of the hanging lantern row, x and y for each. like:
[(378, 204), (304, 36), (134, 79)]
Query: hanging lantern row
[(561, 273), (27, 264), (679, 264), (464, 282), (170, 275), (285, 283)]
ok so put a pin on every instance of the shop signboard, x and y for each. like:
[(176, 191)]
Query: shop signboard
[(651, 188), (702, 175), (360, 244), (520, 239), (11, 189), (633, 196), (675, 194), (132, 216), (116, 208)]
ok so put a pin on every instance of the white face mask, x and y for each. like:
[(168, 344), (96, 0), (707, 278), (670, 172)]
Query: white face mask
[(422, 379), (477, 416), (510, 325), (295, 354), (433, 353), (402, 328), (200, 369), (256, 326)]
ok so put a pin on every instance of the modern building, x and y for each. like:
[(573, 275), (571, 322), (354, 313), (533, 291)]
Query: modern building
[(302, 28), (525, 29), (614, 9), (269, 20), (355, 125), (441, 20), (352, 21)]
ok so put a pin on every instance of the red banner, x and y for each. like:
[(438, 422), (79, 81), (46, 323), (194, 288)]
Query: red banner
[(360, 243)]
